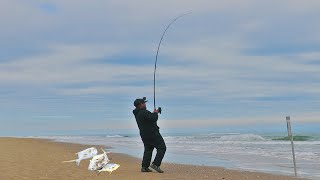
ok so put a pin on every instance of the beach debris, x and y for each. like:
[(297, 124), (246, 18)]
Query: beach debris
[(109, 168), (85, 154), (99, 161)]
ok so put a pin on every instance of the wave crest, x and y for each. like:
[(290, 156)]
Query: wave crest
[(115, 136), (242, 137)]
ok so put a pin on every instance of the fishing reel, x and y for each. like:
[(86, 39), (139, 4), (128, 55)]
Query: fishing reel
[(159, 108)]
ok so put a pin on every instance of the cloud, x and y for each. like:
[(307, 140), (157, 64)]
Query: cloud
[(227, 58), (48, 7), (236, 121), (197, 69), (105, 90), (63, 64)]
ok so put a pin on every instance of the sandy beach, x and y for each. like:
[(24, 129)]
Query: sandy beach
[(23, 158)]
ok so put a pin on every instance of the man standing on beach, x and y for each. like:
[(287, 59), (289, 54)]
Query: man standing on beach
[(150, 135)]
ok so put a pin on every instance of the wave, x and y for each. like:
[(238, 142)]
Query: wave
[(295, 138), (242, 137), (116, 136), (213, 134), (220, 134)]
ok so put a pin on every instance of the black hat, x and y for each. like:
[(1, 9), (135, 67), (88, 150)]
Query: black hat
[(137, 102)]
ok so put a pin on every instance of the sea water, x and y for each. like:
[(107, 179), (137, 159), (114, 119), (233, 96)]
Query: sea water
[(254, 152)]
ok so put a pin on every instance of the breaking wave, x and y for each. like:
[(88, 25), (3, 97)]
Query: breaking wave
[(116, 136), (295, 138), (242, 137)]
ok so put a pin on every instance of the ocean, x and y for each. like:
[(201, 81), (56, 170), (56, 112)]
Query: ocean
[(253, 152)]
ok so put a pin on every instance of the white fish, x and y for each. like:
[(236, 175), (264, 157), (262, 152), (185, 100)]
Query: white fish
[(85, 154), (109, 168), (98, 161)]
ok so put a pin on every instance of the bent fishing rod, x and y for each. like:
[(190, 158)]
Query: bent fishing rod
[(155, 63)]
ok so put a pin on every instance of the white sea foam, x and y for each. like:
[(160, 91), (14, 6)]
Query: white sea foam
[(115, 136), (242, 137)]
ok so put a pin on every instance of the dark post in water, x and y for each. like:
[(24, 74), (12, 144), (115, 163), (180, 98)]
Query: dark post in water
[(292, 145)]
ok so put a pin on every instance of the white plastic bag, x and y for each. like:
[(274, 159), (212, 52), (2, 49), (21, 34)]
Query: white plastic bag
[(98, 161), (85, 154), (109, 168)]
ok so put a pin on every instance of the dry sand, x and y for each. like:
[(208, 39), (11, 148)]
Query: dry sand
[(41, 159)]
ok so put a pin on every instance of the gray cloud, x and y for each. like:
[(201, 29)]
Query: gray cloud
[(227, 53)]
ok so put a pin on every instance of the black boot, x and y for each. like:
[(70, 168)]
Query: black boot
[(157, 168), (144, 169)]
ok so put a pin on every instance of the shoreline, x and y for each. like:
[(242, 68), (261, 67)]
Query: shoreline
[(41, 159)]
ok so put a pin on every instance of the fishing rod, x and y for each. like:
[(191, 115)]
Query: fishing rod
[(155, 63)]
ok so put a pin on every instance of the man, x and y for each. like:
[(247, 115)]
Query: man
[(150, 135)]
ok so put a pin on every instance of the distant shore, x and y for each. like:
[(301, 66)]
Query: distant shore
[(27, 158)]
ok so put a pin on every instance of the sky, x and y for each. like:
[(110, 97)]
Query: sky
[(77, 65)]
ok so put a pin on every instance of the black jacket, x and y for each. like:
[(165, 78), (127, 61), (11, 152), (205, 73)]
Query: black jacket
[(147, 122)]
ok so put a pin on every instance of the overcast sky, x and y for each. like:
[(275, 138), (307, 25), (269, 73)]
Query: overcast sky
[(70, 65)]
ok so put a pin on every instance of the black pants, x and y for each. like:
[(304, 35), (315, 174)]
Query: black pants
[(156, 141)]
